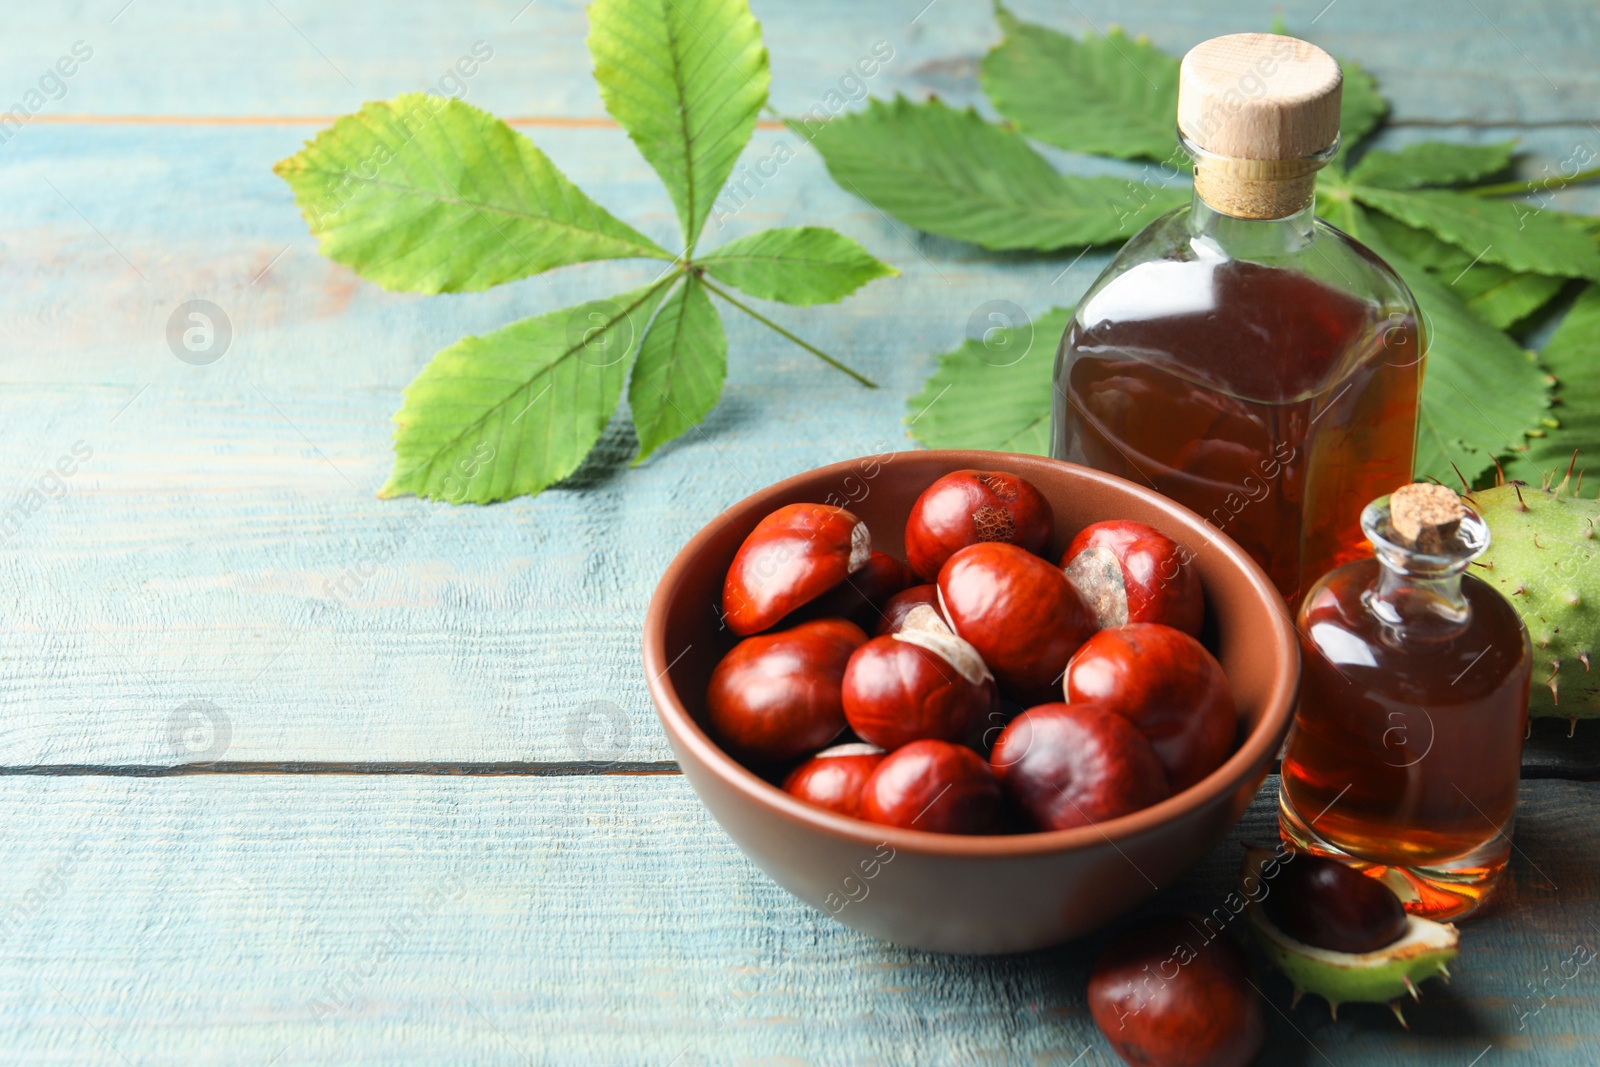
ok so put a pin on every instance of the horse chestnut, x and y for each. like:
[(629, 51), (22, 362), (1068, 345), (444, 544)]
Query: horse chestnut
[(1019, 612), (1129, 572), (833, 778), (1325, 904), (966, 507), (933, 785), (863, 596), (1169, 686), (793, 556), (901, 604), (1168, 994), (779, 696), (923, 682), (1067, 765)]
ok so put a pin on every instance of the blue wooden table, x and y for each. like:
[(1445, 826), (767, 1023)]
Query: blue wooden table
[(291, 775)]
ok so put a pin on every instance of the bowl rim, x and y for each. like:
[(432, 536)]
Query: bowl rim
[(1258, 748)]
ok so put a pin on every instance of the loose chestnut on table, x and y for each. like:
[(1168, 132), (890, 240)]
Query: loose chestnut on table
[(1018, 611), (834, 777), (1171, 994), (1128, 571), (1166, 684), (1067, 765), (920, 683), (793, 556), (779, 696), (968, 507), (933, 785)]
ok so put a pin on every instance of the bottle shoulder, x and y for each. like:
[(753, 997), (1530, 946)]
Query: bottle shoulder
[(1306, 308), (1170, 247), (1354, 261), (1337, 624)]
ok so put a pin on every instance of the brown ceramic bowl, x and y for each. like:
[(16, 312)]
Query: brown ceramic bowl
[(944, 892)]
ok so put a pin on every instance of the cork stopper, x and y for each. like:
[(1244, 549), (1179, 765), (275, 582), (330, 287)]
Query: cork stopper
[(1261, 113), (1426, 517)]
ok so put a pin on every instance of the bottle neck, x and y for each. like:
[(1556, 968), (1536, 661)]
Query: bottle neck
[(1417, 594), (1416, 605), (1255, 206), (1252, 238)]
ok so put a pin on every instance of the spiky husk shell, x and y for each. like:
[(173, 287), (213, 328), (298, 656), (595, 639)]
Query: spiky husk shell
[(1544, 557), (1379, 977)]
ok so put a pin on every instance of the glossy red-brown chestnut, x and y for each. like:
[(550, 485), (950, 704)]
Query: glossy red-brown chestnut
[(1018, 611), (793, 556), (1067, 765), (921, 683), (863, 596), (1326, 904), (1173, 993), (966, 507), (933, 785), (1129, 572), (833, 778), (900, 605), (778, 696), (1169, 686)]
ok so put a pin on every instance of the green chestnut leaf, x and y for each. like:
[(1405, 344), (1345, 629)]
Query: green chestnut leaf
[(682, 362), (686, 79), (516, 410), (795, 265), (425, 194)]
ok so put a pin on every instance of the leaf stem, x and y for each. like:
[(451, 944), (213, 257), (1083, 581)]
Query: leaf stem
[(1529, 185), (774, 327)]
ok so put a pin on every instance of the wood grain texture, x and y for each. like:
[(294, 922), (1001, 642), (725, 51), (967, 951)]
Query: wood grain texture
[(1449, 61), (215, 581), (1557, 749), (608, 920), (222, 543)]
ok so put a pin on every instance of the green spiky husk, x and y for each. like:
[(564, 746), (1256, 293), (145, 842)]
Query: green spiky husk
[(1379, 977), (1544, 557)]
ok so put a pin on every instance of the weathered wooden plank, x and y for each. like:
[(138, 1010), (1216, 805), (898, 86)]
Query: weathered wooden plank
[(588, 921), (221, 542), (1557, 748), (1449, 63)]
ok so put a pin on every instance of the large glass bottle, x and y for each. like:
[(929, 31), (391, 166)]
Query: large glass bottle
[(1239, 354), (1406, 748)]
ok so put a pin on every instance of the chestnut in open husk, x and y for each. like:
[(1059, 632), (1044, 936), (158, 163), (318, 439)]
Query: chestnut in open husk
[(1346, 913), (1168, 994), (1327, 904)]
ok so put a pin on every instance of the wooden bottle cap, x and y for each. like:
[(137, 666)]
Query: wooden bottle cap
[(1426, 517), (1261, 107)]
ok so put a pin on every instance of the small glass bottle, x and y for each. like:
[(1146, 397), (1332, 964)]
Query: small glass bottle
[(1406, 747), (1239, 354)]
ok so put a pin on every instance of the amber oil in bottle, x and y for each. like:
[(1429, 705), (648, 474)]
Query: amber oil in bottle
[(1406, 747)]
